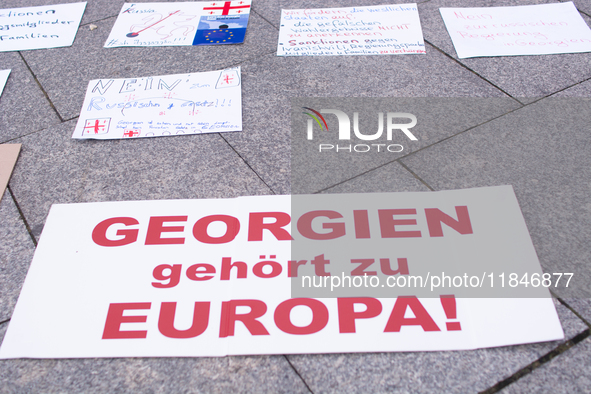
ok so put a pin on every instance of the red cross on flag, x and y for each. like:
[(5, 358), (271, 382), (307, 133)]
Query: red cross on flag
[(227, 7), (228, 78), (131, 133), (96, 126)]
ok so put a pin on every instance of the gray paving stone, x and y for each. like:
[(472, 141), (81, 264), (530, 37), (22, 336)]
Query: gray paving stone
[(582, 89), (425, 372), (268, 374), (437, 119), (16, 253), (583, 6), (266, 97), (519, 76), (391, 177), (23, 106), (567, 373), (53, 168), (541, 151), (95, 9), (64, 73), (582, 306)]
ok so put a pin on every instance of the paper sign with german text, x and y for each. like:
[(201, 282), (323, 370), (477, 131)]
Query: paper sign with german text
[(48, 26), (540, 29), (164, 105), (373, 30), (218, 277)]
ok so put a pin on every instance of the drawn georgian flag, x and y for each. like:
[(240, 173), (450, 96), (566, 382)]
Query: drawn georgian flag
[(96, 126), (228, 78), (227, 7)]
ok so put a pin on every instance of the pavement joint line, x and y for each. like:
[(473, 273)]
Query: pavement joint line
[(22, 215), (399, 160), (265, 19), (248, 165), (538, 363), (41, 87), (4, 321), (566, 304), (98, 20), (568, 87), (472, 71), (250, 60), (298, 373), (75, 117), (24, 135), (416, 176), (464, 131), (373, 169)]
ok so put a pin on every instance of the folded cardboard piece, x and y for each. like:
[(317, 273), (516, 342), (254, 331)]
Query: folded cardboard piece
[(8, 155)]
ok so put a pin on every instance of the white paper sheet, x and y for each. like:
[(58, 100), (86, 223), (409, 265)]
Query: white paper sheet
[(521, 30), (50, 26), (180, 23), (208, 102), (211, 278), (3, 79), (375, 30)]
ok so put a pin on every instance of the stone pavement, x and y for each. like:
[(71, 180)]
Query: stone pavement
[(549, 170)]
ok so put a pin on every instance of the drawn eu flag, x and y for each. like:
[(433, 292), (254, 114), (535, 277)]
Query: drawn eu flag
[(221, 29)]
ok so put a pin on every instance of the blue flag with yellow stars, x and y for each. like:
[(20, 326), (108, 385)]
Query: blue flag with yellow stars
[(221, 29)]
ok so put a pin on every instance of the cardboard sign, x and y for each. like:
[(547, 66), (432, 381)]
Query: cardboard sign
[(216, 277), (208, 102), (521, 30), (376, 30), (50, 26), (8, 155), (177, 24)]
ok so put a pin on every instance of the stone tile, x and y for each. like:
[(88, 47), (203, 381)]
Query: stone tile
[(16, 253), (567, 373), (23, 106), (95, 9), (53, 168), (519, 76), (266, 96), (437, 119), (541, 150), (582, 89), (391, 177), (267, 374), (64, 73), (424, 372), (583, 6), (582, 306)]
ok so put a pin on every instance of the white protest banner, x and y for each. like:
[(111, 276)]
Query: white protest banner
[(216, 277), (182, 23), (49, 26), (540, 29), (375, 30), (208, 102)]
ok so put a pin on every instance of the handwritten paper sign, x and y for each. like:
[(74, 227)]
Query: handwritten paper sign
[(522, 30), (3, 79), (175, 24), (208, 102), (201, 278), (50, 26), (376, 30)]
